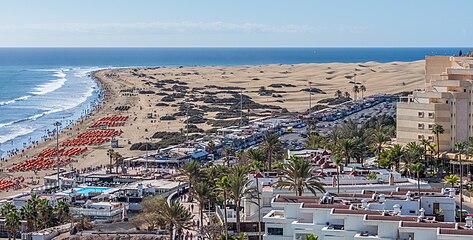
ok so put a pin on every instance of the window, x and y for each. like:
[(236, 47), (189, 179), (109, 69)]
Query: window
[(431, 115), (431, 126), (421, 114), (275, 231), (420, 125), (420, 137), (431, 138)]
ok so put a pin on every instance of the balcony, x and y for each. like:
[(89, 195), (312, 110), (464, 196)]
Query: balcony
[(275, 237), (460, 71), (95, 213), (276, 216), (362, 236), (336, 228), (301, 225)]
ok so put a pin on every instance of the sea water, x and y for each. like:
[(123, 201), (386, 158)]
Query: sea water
[(39, 86)]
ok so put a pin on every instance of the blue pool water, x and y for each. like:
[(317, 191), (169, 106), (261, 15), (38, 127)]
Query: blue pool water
[(87, 190)]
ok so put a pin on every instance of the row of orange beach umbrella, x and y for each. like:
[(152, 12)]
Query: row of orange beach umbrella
[(62, 152), (39, 163), (108, 124), (100, 133), (46, 159), (85, 141), (115, 118), (11, 183)]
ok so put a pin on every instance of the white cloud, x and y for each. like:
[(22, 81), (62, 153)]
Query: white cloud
[(113, 28)]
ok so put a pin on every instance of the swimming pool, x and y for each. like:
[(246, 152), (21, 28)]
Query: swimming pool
[(87, 190)]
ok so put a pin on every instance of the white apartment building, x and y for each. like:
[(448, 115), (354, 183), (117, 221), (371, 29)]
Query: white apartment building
[(101, 210), (380, 215), (446, 100)]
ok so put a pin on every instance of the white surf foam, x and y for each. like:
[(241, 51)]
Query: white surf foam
[(52, 85), (16, 132), (32, 118), (15, 100)]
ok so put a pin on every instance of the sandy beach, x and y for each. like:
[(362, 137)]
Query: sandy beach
[(149, 96)]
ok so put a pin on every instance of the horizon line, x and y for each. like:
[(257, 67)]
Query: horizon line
[(4, 47)]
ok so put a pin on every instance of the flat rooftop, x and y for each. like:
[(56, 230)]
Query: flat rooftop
[(157, 184)]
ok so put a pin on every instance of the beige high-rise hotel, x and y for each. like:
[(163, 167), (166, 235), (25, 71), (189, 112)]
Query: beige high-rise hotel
[(446, 100)]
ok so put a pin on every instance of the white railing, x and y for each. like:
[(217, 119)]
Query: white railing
[(98, 212)]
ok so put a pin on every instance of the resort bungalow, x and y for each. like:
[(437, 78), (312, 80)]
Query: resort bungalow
[(20, 201), (101, 210), (134, 193)]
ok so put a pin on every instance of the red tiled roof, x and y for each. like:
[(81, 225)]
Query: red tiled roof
[(428, 225), (456, 231), (435, 190), (297, 199), (316, 205), (391, 218), (353, 195), (357, 212)]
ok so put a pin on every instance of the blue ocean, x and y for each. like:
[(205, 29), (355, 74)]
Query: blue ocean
[(39, 86)]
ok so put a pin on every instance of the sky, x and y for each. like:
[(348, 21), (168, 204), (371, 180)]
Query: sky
[(237, 23)]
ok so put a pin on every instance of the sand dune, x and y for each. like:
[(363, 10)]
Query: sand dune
[(289, 79)]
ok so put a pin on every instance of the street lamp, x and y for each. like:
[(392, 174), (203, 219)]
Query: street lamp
[(57, 124)]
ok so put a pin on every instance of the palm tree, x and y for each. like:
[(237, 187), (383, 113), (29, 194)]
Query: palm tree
[(211, 174), (311, 237), (379, 138), (227, 153), (6, 208), (417, 168), (298, 175), (110, 154), (271, 145), (191, 171), (356, 90), (30, 213), (437, 129), (257, 167), (62, 211), (315, 140), (424, 142), (460, 147), (346, 148), (337, 161), (391, 157), (45, 214), (223, 185), (451, 179), (338, 93), (379, 135), (178, 217), (413, 152), (203, 193), (363, 90), (239, 188), (12, 223), (256, 155), (118, 161)]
